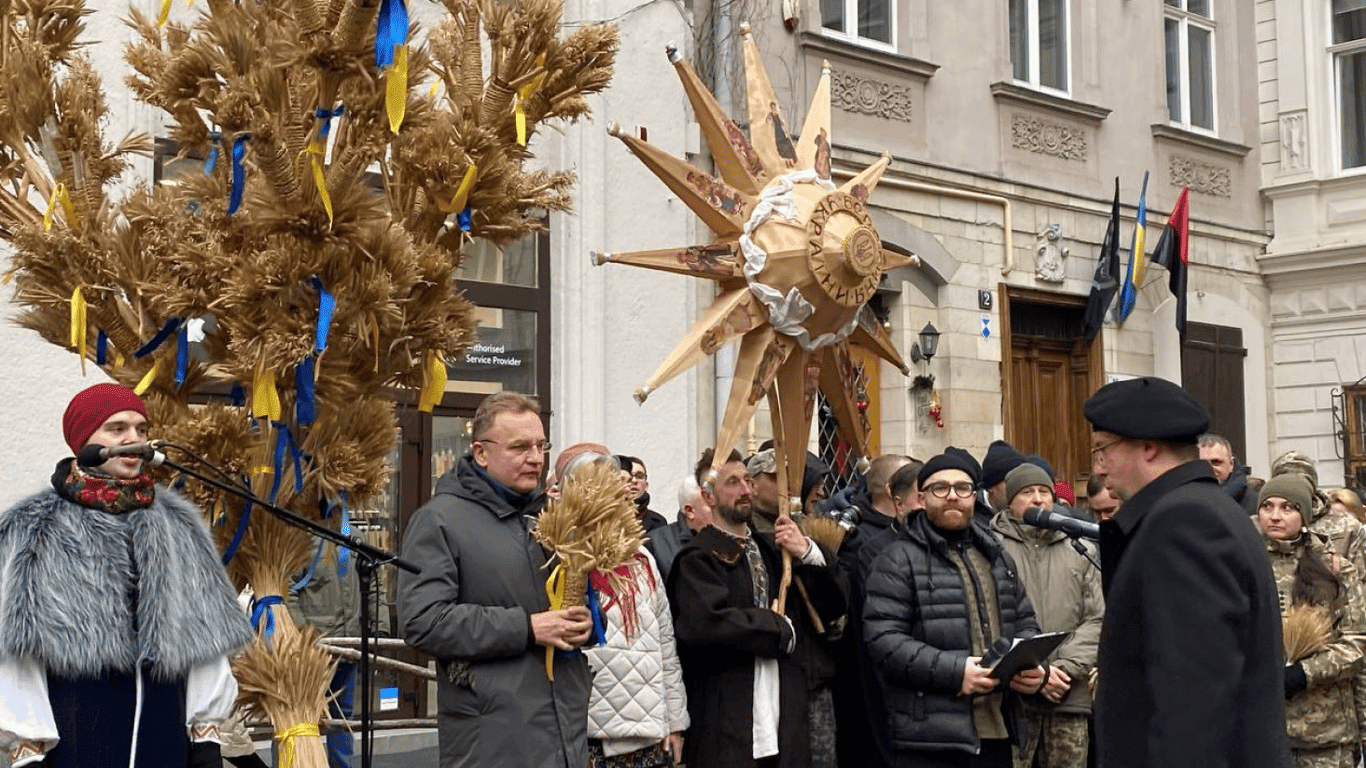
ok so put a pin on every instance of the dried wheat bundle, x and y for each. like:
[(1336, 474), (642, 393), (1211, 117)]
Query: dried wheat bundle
[(825, 531), (591, 526), (286, 679), (1307, 630)]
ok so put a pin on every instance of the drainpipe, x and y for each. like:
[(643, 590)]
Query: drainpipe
[(723, 86)]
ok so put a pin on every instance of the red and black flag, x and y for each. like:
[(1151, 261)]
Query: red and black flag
[(1171, 253), (1106, 280)]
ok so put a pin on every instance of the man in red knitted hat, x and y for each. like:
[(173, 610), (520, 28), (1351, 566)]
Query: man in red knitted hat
[(116, 617)]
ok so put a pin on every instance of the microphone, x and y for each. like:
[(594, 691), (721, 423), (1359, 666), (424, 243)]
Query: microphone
[(1056, 521), (94, 455)]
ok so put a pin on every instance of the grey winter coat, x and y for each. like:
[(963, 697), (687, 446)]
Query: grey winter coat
[(482, 578), (1064, 588)]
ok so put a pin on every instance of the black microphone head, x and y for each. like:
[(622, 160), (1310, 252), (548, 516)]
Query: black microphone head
[(1037, 516), (91, 456)]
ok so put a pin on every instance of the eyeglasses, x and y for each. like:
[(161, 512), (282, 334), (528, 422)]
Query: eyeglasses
[(1098, 454), (941, 490), (522, 447)]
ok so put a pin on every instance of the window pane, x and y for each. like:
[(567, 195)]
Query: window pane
[(450, 441), (1171, 33), (1019, 38), (1053, 43), (875, 20), (1199, 7), (514, 264), (1349, 20), (1174, 3), (1202, 77), (832, 14), (1352, 102), (503, 355)]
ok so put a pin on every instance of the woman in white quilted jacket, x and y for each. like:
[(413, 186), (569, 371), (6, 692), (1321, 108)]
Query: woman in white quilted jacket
[(638, 710)]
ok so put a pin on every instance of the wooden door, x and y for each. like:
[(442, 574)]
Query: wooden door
[(1212, 361), (1049, 371)]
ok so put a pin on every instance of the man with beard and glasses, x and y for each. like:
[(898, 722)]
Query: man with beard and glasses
[(747, 690)]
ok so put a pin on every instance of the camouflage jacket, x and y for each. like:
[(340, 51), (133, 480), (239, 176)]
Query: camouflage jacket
[(1345, 536), (1323, 715)]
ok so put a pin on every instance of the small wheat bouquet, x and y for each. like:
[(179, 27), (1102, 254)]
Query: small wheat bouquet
[(824, 530), (1307, 630), (591, 527)]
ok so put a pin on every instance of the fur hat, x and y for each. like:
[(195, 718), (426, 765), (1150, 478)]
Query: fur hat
[(92, 406), (951, 458), (1025, 475), (1001, 458), (1294, 461), (1294, 488)]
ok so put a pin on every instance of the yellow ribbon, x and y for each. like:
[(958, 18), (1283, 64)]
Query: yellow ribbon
[(396, 88), (524, 93), (321, 182), (287, 736), (433, 381), (149, 378), (462, 192), (554, 591), (374, 328), (59, 195), (165, 13), (9, 275), (78, 334), (265, 401)]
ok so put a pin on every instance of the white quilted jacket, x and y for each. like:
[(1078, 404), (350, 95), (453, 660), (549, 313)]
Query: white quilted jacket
[(638, 696)]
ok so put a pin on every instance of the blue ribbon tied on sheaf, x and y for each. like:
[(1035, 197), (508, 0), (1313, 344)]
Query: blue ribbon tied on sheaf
[(594, 608), (182, 354), (285, 440), (391, 30), (231, 551), (324, 114), (157, 340), (211, 161), (239, 173), (260, 607), (327, 305), (101, 347), (305, 401), (465, 219)]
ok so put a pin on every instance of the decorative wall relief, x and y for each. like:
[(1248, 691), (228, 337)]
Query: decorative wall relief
[(866, 96), (1050, 255), (1048, 138), (1200, 177), (1294, 142)]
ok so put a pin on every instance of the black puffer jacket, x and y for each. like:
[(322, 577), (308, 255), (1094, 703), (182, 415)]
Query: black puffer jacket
[(916, 627)]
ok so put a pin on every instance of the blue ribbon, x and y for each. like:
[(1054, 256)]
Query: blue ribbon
[(239, 150), (308, 575), (391, 30), (182, 355), (344, 556), (599, 631), (466, 219), (261, 607), (101, 347), (239, 395), (211, 161), (305, 401), (286, 439), (324, 114), (231, 551), (156, 341), (326, 306)]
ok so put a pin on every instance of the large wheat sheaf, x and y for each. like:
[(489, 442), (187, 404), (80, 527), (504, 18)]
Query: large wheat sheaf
[(308, 258)]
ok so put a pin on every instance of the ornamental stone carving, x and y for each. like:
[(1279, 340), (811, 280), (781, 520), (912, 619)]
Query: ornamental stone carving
[(1048, 138), (867, 96), (1294, 142), (1050, 255), (1200, 177)]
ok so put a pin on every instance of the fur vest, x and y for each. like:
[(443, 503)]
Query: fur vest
[(67, 578)]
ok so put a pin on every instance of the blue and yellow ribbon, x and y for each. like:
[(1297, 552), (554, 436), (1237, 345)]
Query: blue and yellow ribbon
[(462, 192), (391, 53)]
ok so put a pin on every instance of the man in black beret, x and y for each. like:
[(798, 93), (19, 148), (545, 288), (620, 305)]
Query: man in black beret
[(1192, 667)]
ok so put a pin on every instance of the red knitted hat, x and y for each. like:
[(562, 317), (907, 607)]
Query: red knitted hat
[(1063, 490), (92, 406)]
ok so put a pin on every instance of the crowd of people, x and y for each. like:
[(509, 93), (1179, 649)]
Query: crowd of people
[(1199, 616)]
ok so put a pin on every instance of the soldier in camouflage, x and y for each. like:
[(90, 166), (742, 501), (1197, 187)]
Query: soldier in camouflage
[(1344, 535), (1319, 677)]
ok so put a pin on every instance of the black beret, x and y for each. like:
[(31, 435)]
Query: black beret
[(1147, 408), (1000, 459), (951, 458)]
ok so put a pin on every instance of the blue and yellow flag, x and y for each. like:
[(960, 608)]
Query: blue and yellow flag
[(1133, 278)]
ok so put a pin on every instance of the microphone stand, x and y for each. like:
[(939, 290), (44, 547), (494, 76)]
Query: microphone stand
[(1081, 549), (368, 557)]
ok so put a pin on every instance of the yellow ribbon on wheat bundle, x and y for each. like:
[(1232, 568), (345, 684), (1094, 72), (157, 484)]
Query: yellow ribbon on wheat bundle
[(286, 739), (78, 334), (554, 591), (433, 381), (59, 197), (396, 88)]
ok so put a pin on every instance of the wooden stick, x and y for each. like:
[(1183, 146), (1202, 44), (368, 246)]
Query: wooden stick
[(381, 661)]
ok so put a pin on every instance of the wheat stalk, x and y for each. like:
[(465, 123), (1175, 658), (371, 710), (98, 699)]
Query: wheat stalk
[(591, 526), (1307, 630)]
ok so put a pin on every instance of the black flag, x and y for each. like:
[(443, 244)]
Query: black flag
[(1106, 280)]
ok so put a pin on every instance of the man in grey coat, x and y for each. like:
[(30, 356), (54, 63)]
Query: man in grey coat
[(480, 606)]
